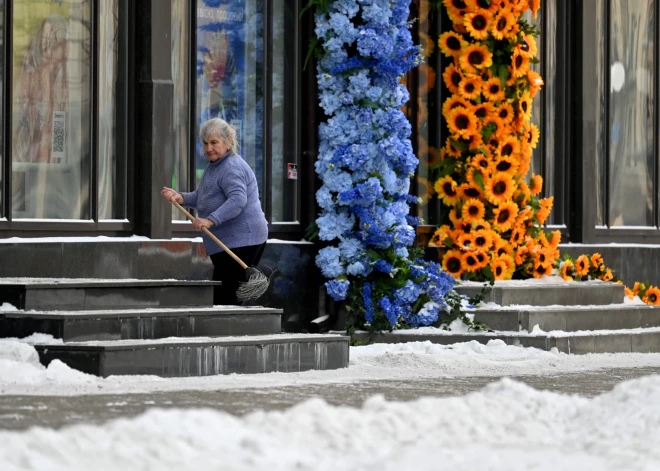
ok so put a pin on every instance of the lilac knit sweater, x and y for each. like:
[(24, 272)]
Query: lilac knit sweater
[(228, 195)]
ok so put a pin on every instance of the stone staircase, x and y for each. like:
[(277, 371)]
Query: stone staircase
[(157, 327), (579, 317)]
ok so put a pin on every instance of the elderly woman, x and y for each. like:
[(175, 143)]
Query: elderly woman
[(227, 203)]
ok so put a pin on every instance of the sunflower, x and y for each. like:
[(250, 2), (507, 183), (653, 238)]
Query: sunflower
[(455, 9), (509, 147), (503, 24), (542, 270), (451, 43), (462, 123), (492, 90), (482, 110), (535, 82), (522, 194), (555, 239), (470, 87), (542, 257), (500, 188), (445, 187), (521, 255), (499, 268), (525, 160), (502, 247), (453, 103), (473, 210), (507, 164), (527, 47), (597, 261), (426, 42), (607, 276), (567, 270), (482, 259), (535, 184), (475, 57), (487, 6), (582, 265), (652, 296), (452, 78), (483, 239), (504, 216), (517, 235), (505, 112), (451, 263), (478, 24), (480, 162), (532, 135), (465, 240), (546, 207), (440, 235), (469, 262), (426, 77), (498, 128), (525, 107), (519, 65), (451, 150)]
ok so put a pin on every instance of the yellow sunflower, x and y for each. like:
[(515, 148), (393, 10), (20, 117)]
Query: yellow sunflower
[(454, 102), (465, 240), (483, 239), (527, 47), (499, 268), (440, 235), (535, 82), (468, 191), (451, 150), (478, 24), (504, 216), (567, 270), (519, 65), (517, 235), (470, 87), (451, 263), (499, 129), (492, 90), (509, 147), (503, 24), (508, 164), (451, 43), (533, 135), (473, 210), (522, 194), (499, 188), (446, 187), (487, 6), (535, 184), (452, 78), (480, 162), (462, 123), (597, 261), (482, 110), (505, 112), (482, 259), (525, 107), (652, 296), (475, 57), (542, 270), (607, 276), (455, 9), (546, 207), (469, 262), (582, 265)]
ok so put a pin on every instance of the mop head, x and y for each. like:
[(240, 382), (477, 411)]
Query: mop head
[(254, 287)]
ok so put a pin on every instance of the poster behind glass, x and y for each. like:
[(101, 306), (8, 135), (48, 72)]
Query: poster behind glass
[(51, 160), (230, 74)]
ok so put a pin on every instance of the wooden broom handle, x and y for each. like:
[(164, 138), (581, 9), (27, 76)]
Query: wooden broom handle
[(208, 233)]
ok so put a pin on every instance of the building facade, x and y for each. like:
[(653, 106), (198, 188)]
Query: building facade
[(102, 101)]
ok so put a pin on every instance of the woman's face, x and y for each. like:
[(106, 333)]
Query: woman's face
[(215, 148)]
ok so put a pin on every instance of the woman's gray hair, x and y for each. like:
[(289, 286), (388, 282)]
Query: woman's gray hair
[(216, 127)]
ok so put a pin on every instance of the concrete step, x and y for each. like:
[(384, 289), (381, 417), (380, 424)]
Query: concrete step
[(538, 293), (569, 318), (93, 294), (142, 323), (621, 341), (202, 356)]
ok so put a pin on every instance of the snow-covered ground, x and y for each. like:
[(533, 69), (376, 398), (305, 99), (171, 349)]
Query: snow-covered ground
[(507, 425), (22, 374)]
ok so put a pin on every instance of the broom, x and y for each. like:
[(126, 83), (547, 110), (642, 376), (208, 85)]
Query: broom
[(257, 282)]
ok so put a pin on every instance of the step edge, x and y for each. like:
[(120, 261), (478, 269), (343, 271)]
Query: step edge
[(130, 313)]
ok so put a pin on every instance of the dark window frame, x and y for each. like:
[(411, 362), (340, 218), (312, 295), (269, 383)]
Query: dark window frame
[(35, 228)]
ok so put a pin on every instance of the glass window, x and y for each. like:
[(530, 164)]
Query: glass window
[(2, 87), (284, 162), (230, 80), (111, 104), (180, 114), (631, 162), (51, 159)]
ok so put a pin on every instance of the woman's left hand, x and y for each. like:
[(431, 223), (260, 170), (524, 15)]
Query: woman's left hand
[(202, 222)]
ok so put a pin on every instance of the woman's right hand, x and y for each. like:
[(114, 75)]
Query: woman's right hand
[(169, 193)]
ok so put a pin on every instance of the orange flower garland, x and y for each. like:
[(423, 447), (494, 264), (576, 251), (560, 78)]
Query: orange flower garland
[(494, 228)]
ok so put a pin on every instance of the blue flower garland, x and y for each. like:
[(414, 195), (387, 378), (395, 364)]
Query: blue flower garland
[(365, 162)]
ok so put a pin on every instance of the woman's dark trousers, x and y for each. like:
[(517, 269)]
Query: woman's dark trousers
[(227, 270)]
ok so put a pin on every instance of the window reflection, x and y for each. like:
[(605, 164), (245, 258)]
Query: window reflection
[(631, 165), (230, 75), (284, 162), (51, 109)]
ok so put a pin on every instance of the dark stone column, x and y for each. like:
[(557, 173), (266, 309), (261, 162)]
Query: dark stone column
[(155, 94)]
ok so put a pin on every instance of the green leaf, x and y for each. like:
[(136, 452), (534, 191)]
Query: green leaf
[(503, 74), (488, 131), (479, 178), (462, 146)]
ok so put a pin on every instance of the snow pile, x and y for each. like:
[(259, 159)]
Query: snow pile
[(19, 365), (506, 425)]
